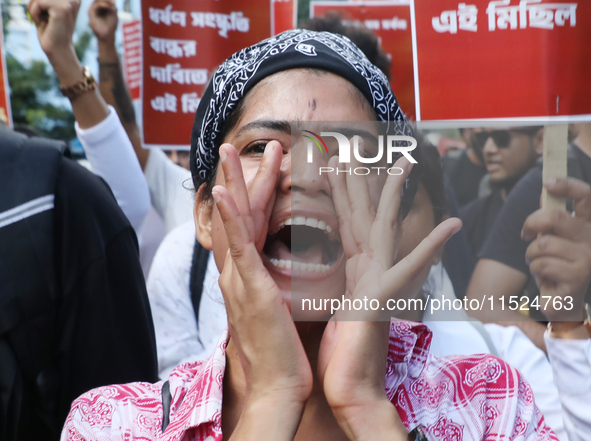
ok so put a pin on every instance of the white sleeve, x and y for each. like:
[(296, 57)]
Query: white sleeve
[(517, 349), (112, 157), (571, 364), (170, 187)]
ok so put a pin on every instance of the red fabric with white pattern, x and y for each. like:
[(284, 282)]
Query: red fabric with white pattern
[(456, 398)]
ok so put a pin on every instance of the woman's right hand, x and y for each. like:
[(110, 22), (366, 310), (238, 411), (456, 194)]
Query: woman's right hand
[(277, 372)]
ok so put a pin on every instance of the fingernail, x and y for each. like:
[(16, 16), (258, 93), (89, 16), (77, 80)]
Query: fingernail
[(409, 167), (216, 196), (543, 241), (270, 145), (223, 156), (551, 182)]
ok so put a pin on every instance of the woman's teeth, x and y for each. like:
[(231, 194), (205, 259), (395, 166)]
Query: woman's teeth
[(307, 221), (300, 266)]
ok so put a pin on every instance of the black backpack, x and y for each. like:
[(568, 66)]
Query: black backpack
[(29, 383)]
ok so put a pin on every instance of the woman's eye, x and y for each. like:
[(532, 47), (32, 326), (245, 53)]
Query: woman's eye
[(256, 148)]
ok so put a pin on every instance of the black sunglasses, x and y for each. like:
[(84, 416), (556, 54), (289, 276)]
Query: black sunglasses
[(501, 138)]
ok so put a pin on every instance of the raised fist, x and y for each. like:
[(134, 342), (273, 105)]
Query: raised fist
[(102, 17), (55, 21)]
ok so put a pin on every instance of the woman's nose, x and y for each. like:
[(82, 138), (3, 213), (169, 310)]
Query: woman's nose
[(303, 176)]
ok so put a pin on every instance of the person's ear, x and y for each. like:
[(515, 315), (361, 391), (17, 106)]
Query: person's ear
[(539, 142), (203, 212)]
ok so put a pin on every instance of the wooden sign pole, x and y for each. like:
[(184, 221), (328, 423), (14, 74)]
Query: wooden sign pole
[(555, 145)]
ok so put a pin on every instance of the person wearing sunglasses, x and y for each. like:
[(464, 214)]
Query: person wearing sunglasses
[(508, 154), (465, 169)]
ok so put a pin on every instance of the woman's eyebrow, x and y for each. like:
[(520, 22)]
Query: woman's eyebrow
[(284, 126), (275, 125), (349, 133)]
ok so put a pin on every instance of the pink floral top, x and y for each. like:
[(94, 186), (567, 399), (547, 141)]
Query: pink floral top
[(457, 398)]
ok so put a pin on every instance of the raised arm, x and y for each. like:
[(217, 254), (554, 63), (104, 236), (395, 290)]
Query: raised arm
[(55, 21), (103, 21), (165, 179), (496, 280), (106, 145), (502, 271)]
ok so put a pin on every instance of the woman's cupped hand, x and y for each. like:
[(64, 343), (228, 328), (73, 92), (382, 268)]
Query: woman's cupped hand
[(354, 349)]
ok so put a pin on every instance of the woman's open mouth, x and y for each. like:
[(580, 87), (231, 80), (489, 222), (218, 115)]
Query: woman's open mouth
[(303, 246)]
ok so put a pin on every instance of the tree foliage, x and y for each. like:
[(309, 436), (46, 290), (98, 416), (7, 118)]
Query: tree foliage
[(30, 88), (34, 88), (82, 43), (5, 16)]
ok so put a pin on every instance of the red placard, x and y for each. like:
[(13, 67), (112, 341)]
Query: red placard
[(505, 58), (391, 21), (5, 112), (183, 42), (285, 13), (132, 57)]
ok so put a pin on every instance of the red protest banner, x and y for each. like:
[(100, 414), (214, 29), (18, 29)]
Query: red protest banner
[(285, 14), (5, 113), (391, 22), (132, 56), (183, 42), (505, 58)]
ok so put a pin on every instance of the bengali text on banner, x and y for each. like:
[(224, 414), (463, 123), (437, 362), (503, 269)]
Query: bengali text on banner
[(503, 59), (391, 23), (132, 56), (183, 43), (482, 59)]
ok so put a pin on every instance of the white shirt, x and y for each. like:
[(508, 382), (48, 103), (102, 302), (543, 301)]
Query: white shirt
[(112, 157), (170, 189), (571, 364), (178, 337), (459, 334), (165, 185)]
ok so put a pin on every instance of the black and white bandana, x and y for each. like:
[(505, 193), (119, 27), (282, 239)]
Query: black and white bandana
[(292, 49)]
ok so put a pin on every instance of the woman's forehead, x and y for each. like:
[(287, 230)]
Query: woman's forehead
[(305, 95)]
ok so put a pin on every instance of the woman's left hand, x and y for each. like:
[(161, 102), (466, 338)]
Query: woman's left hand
[(353, 352)]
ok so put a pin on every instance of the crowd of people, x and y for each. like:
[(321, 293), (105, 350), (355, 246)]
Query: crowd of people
[(205, 347)]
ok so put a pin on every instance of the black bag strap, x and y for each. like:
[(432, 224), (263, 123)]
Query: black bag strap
[(166, 400), (198, 268)]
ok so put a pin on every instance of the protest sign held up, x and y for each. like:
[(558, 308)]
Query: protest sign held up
[(391, 22), (182, 43), (132, 57)]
